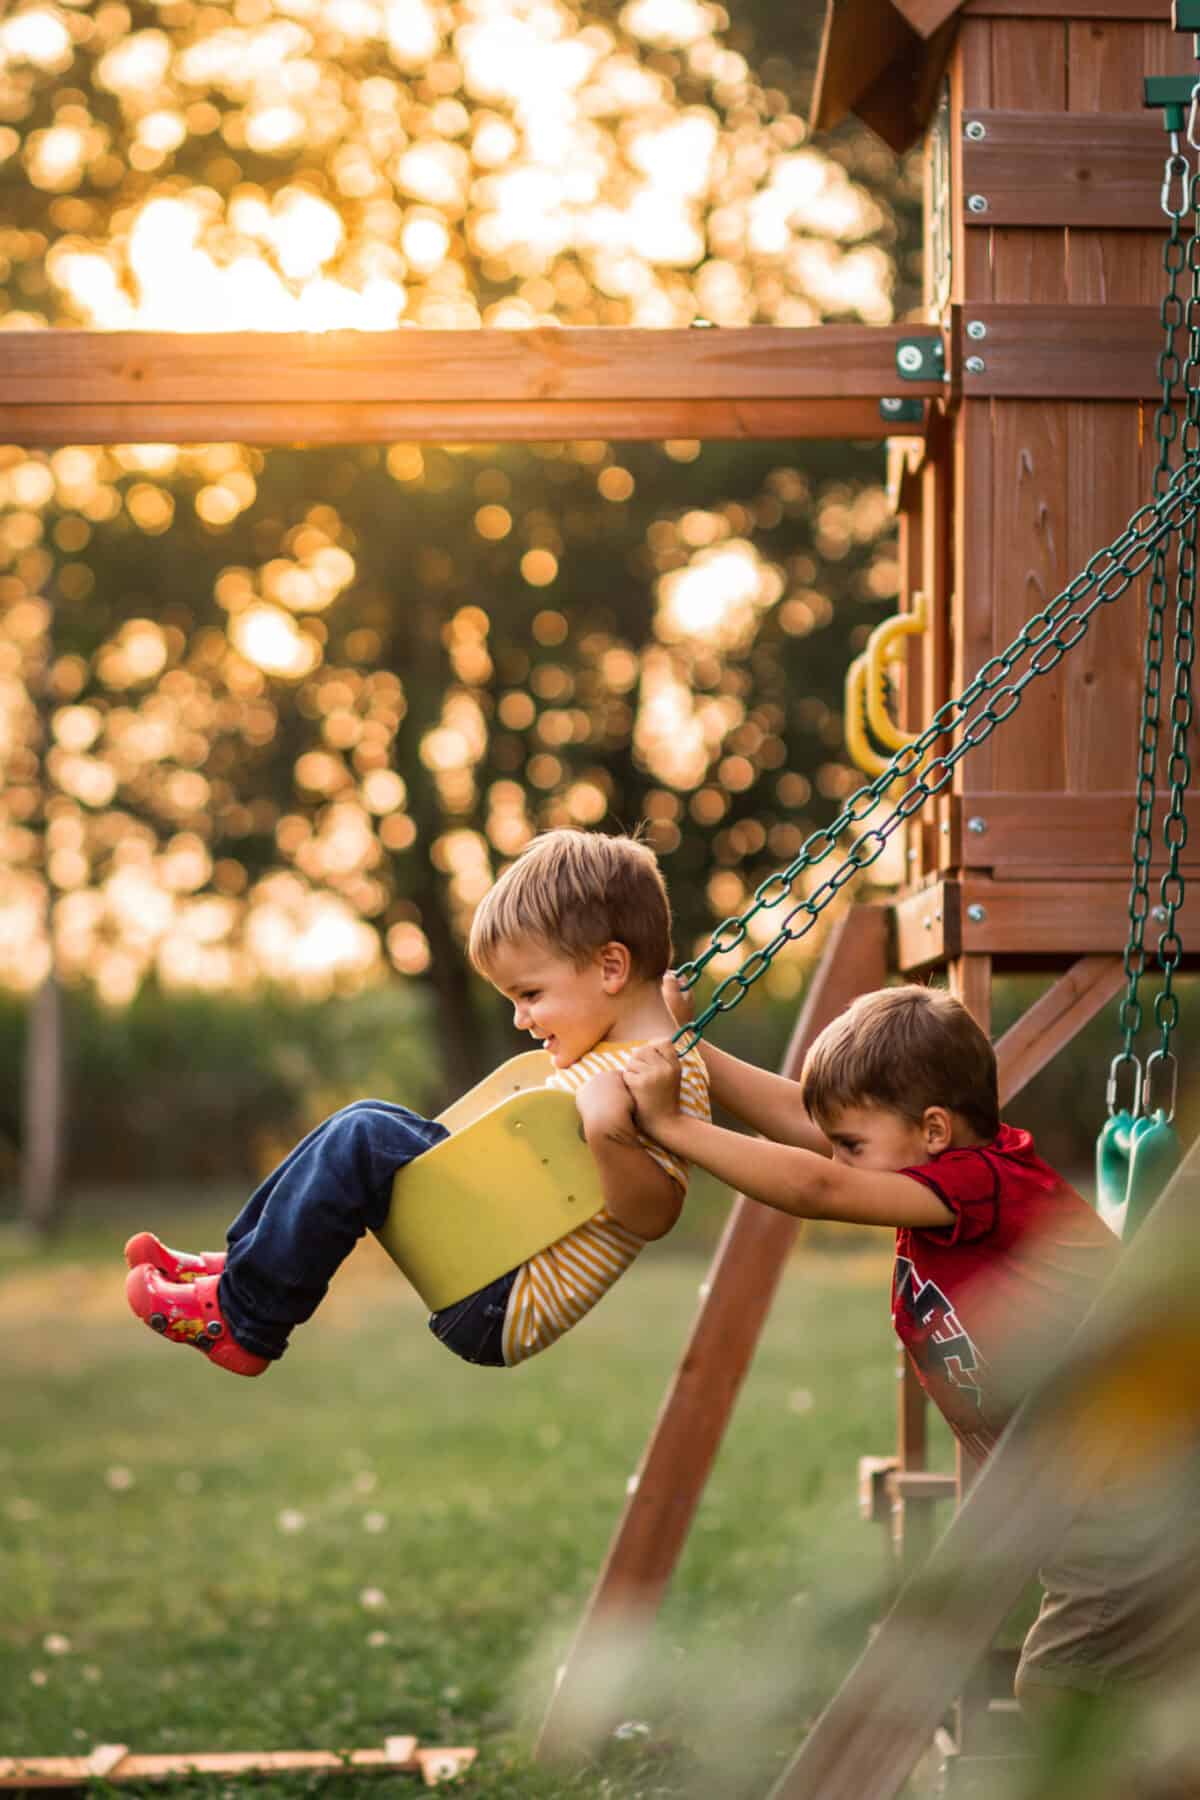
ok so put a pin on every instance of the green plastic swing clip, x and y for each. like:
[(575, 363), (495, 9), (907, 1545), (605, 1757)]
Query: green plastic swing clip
[(1136, 1155)]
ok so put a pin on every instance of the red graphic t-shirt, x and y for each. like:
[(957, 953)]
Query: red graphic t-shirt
[(981, 1302)]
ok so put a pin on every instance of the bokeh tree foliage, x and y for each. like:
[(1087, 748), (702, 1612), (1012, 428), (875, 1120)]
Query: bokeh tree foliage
[(282, 714)]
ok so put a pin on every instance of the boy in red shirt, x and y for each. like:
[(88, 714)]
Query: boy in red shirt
[(997, 1260)]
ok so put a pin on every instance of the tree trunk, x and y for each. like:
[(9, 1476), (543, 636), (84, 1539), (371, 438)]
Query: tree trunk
[(464, 1051), (44, 1106)]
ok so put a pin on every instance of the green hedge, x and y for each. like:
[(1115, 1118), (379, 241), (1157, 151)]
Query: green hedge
[(198, 1086)]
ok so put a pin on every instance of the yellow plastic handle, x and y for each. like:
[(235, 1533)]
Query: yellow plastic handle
[(865, 688), (886, 644), (861, 753)]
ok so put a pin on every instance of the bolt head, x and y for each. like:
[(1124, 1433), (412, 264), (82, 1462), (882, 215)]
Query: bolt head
[(976, 328), (889, 404), (974, 365), (975, 129), (977, 203), (976, 913), (977, 826), (909, 358)]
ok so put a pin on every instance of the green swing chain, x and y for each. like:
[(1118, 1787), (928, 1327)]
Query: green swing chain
[(1044, 639), (1166, 428)]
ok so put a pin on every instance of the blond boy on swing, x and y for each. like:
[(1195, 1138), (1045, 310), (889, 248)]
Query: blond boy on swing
[(576, 934)]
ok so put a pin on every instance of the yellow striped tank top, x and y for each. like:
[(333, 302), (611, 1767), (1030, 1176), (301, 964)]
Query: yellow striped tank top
[(556, 1288)]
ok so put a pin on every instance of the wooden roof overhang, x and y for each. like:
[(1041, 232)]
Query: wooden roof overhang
[(883, 60), (74, 387)]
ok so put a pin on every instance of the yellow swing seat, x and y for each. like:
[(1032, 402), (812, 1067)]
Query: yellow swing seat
[(513, 1176)]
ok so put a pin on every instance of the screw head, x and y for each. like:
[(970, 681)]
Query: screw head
[(976, 913), (977, 826), (889, 404), (975, 129), (909, 358), (1158, 914), (974, 365), (977, 203), (976, 329)]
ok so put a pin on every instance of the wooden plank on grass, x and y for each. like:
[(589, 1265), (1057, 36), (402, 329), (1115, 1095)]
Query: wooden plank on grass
[(115, 1763)]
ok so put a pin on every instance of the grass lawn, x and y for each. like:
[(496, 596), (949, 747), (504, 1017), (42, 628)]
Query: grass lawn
[(378, 1539)]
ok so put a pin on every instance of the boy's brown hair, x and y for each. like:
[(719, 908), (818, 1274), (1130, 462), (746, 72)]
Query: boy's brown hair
[(904, 1048), (576, 891)]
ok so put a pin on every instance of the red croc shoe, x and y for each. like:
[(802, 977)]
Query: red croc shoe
[(188, 1312), (176, 1265)]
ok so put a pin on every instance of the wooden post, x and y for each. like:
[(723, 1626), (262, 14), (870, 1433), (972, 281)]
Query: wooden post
[(670, 1479)]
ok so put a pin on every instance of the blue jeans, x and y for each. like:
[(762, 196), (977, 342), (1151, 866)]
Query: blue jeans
[(302, 1222)]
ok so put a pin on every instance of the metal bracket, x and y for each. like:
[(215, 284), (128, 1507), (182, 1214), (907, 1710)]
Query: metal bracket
[(920, 359), (1172, 92), (901, 412)]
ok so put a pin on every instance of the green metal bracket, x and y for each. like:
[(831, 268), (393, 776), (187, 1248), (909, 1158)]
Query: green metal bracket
[(920, 359), (901, 412), (1172, 92), (1185, 15)]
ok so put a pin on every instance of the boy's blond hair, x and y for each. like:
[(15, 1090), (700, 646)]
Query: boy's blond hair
[(576, 891), (904, 1048)]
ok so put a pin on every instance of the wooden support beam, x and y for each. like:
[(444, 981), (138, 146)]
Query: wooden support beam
[(1066, 1444), (1057, 352), (1058, 169), (1052, 1022), (1017, 835), (480, 386), (927, 926), (1055, 916), (735, 1300), (447, 422)]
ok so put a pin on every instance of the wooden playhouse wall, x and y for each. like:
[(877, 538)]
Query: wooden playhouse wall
[(1050, 451)]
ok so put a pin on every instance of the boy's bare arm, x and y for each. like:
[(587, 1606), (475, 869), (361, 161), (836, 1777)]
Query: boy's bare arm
[(780, 1175), (639, 1194), (765, 1101)]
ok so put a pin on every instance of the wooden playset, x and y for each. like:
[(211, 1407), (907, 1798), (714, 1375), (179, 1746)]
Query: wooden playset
[(1039, 411)]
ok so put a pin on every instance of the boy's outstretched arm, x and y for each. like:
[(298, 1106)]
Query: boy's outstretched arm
[(637, 1192), (792, 1180), (765, 1101)]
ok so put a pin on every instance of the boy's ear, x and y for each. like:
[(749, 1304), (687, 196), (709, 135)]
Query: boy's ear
[(938, 1127), (616, 965)]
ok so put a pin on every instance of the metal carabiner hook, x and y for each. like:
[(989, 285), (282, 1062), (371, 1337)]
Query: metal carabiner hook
[(1162, 1058), (1110, 1091), (1176, 168), (1191, 124)]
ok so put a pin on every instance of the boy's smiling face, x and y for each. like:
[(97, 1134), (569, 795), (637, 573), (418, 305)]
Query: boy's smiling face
[(567, 1006)]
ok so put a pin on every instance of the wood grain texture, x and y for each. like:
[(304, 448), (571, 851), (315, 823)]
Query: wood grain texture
[(541, 365), (1054, 1020), (1059, 169)]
